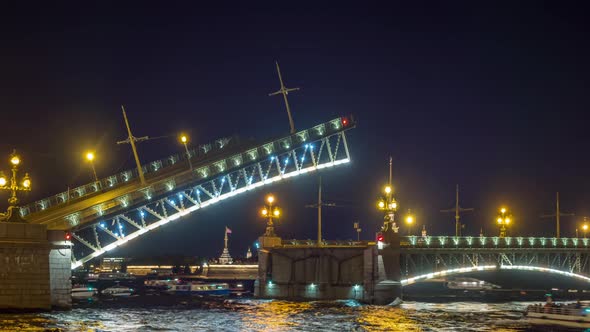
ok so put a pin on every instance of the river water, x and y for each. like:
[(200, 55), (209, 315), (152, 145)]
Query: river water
[(274, 315)]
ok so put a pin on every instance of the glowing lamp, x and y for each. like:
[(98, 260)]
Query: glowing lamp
[(409, 219), (503, 210), (380, 237), (15, 160), (27, 181), (507, 221), (90, 156), (276, 213), (381, 204), (499, 220), (270, 199), (2, 180), (387, 189), (183, 139), (264, 212)]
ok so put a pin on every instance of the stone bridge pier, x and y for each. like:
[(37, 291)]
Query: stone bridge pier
[(302, 270), (35, 267)]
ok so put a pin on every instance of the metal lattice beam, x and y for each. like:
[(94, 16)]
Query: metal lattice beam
[(112, 231)]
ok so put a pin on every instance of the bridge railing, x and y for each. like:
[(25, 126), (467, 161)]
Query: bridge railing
[(121, 178), (492, 242), (327, 243)]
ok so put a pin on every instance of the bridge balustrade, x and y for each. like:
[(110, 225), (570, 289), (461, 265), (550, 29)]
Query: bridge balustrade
[(492, 242), (119, 178)]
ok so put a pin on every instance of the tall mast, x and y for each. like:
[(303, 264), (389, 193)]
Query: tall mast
[(285, 91), (132, 141), (558, 214), (458, 209)]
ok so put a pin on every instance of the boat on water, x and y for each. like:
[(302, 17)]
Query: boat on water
[(205, 289), (117, 291), (463, 283), (80, 292), (565, 315)]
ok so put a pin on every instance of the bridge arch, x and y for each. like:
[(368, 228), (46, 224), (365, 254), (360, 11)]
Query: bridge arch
[(462, 270)]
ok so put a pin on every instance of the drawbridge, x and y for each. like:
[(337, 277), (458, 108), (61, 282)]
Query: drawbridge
[(105, 214)]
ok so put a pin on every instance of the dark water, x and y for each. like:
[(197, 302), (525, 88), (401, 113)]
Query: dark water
[(272, 315)]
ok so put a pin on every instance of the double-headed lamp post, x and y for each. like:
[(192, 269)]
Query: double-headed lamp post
[(388, 205), (270, 212), (90, 158), (504, 219), (184, 140), (13, 186)]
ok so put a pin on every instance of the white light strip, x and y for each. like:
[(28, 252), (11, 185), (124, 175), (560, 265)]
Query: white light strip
[(204, 204), (412, 280), (427, 276), (544, 269)]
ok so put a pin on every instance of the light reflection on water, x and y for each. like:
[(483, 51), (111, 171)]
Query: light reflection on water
[(267, 315)]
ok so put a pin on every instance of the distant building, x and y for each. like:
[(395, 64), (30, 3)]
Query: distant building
[(112, 264)]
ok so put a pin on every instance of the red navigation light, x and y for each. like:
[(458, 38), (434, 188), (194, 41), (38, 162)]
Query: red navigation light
[(344, 122), (68, 236), (380, 237)]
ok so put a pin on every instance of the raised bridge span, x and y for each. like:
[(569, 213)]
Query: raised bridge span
[(112, 211)]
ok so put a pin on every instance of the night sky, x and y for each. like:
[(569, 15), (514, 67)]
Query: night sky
[(493, 98)]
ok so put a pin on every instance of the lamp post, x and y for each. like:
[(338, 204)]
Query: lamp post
[(410, 219), (585, 226), (504, 219), (270, 212), (90, 158), (388, 205), (13, 186), (184, 140)]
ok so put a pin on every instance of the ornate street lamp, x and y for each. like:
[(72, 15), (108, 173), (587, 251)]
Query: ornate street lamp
[(504, 219), (13, 185), (388, 205), (270, 212)]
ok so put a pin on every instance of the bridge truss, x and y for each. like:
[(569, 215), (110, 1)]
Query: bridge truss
[(322, 146), (428, 256)]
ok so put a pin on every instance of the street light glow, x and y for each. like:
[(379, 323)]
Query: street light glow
[(15, 160), (387, 189), (381, 204), (409, 219), (183, 138), (507, 221), (270, 199), (277, 213), (585, 227), (499, 220), (90, 156), (264, 212), (2, 180), (503, 210)]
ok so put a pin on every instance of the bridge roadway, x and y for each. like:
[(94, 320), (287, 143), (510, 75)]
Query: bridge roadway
[(55, 217)]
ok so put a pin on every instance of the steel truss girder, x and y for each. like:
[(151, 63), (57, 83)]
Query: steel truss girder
[(419, 262), (118, 229)]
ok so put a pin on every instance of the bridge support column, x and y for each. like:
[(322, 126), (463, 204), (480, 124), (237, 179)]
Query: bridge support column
[(388, 286), (261, 284), (33, 267)]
